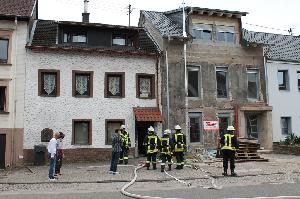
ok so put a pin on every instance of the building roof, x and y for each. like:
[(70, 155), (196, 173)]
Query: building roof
[(166, 26), (278, 47), (19, 8), (147, 114), (170, 26), (46, 36)]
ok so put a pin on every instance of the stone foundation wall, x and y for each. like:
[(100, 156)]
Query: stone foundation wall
[(283, 149)]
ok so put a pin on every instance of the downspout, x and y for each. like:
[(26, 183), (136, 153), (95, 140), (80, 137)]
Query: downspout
[(266, 76), (156, 93), (168, 95), (185, 68), (237, 120), (14, 93)]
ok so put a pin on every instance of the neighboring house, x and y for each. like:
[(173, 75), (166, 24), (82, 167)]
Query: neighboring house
[(225, 76), (283, 80), (86, 79), (15, 21)]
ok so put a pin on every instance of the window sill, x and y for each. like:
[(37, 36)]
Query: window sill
[(83, 96), (4, 113), (5, 64), (114, 97), (49, 96), (146, 98)]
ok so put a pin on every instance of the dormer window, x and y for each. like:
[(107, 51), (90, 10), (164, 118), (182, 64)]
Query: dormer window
[(226, 34), (75, 37), (202, 32), (121, 40)]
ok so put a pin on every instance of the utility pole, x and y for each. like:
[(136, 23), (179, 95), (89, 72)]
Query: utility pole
[(129, 12)]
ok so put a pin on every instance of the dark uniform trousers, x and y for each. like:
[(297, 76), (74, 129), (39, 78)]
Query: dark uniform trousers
[(166, 158), (179, 158), (124, 155), (151, 157), (228, 155)]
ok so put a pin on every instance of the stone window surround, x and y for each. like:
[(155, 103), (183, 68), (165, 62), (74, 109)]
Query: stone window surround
[(152, 77), (122, 121), (120, 74), (224, 69), (91, 74), (40, 81), (191, 67), (7, 34), (5, 83), (89, 133), (254, 70)]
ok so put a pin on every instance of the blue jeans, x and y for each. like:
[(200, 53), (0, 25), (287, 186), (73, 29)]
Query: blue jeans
[(114, 161), (51, 166)]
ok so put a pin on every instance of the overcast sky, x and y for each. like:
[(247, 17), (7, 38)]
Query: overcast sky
[(277, 15)]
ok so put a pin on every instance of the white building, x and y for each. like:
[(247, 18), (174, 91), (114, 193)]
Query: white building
[(15, 21), (86, 80), (282, 53)]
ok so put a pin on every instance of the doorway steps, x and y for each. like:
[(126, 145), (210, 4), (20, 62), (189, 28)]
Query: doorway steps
[(248, 152)]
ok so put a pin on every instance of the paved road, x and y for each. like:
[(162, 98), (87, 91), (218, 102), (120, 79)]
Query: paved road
[(266, 190)]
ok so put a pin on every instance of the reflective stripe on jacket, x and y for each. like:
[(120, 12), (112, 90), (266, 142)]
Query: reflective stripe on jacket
[(165, 149), (126, 139), (179, 144), (228, 142), (152, 147)]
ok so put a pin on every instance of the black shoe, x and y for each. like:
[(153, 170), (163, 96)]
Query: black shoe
[(121, 162), (170, 168), (177, 167), (225, 174), (147, 168), (154, 166), (232, 173), (181, 167)]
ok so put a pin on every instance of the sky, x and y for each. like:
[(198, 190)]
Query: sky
[(275, 16)]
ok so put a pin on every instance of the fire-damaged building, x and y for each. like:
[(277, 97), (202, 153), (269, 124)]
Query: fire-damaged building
[(210, 73)]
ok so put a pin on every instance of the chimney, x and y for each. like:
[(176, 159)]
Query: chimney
[(85, 14)]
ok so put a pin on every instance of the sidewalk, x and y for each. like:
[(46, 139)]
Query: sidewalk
[(98, 172)]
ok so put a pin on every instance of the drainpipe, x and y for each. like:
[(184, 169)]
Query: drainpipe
[(156, 93), (266, 77), (14, 93), (185, 69), (168, 95), (237, 120)]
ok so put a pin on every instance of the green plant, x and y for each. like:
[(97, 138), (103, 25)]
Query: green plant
[(291, 139)]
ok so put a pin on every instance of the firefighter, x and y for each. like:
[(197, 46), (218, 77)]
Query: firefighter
[(165, 150), (125, 146), (229, 144), (152, 144), (179, 146)]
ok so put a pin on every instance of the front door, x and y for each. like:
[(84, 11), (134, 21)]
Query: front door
[(141, 133), (252, 126), (2, 150)]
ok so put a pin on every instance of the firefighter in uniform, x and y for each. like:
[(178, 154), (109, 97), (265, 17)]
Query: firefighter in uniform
[(125, 146), (229, 144), (152, 144), (179, 146), (165, 150)]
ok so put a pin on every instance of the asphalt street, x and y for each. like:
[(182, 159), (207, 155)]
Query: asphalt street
[(266, 190)]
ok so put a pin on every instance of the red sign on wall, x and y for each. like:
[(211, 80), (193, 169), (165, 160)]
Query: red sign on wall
[(211, 125)]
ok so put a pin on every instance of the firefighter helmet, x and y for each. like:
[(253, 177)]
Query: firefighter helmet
[(230, 128), (177, 127)]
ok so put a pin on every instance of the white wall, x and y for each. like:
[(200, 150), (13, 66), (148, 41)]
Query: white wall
[(285, 103), (57, 112), (16, 75)]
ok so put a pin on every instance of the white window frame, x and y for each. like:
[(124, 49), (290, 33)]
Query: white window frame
[(289, 123)]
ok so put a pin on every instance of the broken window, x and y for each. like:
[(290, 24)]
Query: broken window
[(145, 86), (3, 50), (285, 125), (193, 82), (298, 77), (82, 84), (82, 132), (252, 76), (282, 76), (202, 32), (2, 99), (226, 34), (195, 124), (221, 76), (224, 121)]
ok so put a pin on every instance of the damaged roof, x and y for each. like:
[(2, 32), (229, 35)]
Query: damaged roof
[(46, 37), (168, 27), (19, 8), (279, 47)]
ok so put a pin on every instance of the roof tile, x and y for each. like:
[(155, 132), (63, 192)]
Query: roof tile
[(21, 8)]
